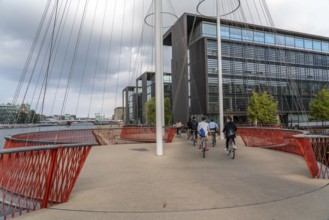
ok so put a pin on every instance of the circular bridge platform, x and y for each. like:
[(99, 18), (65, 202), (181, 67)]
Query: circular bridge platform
[(130, 182)]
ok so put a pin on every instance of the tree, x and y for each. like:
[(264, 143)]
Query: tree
[(21, 118), (150, 113), (319, 106), (262, 108), (34, 117), (167, 106)]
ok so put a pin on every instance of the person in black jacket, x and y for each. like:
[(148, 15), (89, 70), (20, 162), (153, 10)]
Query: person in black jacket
[(194, 127), (230, 131)]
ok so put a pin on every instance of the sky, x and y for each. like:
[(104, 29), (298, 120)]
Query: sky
[(87, 73)]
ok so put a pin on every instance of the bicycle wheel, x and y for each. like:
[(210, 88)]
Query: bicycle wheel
[(214, 140), (203, 148), (231, 149), (194, 141)]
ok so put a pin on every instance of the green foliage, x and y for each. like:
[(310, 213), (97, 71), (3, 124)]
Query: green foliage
[(25, 118), (262, 109), (150, 113), (34, 117), (167, 106), (21, 118), (319, 106)]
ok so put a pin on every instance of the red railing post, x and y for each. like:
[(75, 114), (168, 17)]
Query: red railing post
[(50, 176), (308, 154)]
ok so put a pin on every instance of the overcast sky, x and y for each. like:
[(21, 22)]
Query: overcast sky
[(84, 78)]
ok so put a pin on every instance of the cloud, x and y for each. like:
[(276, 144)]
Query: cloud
[(94, 57)]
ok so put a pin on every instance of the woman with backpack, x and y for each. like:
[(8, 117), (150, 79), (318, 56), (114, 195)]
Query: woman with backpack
[(203, 130)]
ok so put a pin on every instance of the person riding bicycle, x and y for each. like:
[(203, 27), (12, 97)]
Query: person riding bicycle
[(213, 126), (194, 127), (230, 131), (205, 127)]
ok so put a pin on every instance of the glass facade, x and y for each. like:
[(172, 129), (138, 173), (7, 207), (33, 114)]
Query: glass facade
[(291, 68), (262, 37)]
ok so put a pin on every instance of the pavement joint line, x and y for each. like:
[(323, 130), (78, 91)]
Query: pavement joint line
[(194, 210)]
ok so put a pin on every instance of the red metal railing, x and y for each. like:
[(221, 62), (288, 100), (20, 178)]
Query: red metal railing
[(146, 134), (314, 148), (38, 177), (50, 137)]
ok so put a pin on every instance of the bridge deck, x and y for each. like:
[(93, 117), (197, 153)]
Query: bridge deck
[(130, 182)]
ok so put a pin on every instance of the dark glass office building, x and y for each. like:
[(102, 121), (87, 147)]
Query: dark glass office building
[(290, 66), (146, 90)]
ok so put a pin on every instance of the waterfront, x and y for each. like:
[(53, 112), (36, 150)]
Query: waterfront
[(12, 131)]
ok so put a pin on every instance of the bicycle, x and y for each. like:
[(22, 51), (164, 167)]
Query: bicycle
[(213, 137), (203, 147), (194, 139), (231, 147)]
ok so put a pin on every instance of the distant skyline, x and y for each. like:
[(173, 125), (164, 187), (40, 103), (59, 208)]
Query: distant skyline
[(19, 20)]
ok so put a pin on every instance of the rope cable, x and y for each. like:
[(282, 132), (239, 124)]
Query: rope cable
[(120, 54), (97, 62), (76, 48), (86, 56)]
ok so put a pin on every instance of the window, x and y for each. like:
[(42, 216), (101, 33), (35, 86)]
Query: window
[(226, 66), (259, 37), (317, 45), (260, 53), (249, 52), (270, 54), (167, 79), (299, 43), (209, 29), (250, 68), (237, 50), (269, 39), (235, 33), (292, 57), (212, 66), (226, 49), (281, 55), (290, 41), (212, 48), (280, 40), (225, 32), (247, 35), (325, 46), (237, 67), (308, 44)]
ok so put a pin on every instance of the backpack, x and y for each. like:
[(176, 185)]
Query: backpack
[(202, 133)]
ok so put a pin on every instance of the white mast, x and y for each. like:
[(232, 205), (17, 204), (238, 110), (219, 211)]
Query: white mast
[(158, 77), (220, 78)]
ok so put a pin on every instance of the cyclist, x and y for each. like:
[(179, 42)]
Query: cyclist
[(205, 126), (230, 131), (194, 127), (213, 127)]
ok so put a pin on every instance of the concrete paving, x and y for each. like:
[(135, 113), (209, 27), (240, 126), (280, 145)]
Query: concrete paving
[(130, 182)]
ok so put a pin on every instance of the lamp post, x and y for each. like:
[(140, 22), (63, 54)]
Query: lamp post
[(220, 76), (158, 77)]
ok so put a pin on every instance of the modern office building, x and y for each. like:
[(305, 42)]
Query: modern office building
[(129, 98), (135, 97), (290, 66), (8, 113), (146, 90), (118, 113)]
